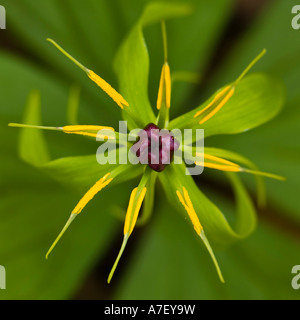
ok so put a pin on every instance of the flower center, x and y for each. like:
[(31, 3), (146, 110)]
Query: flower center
[(155, 147)]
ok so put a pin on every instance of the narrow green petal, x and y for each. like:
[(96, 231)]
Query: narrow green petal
[(250, 66), (63, 51), (264, 174), (30, 126), (126, 237), (32, 145), (210, 251), (135, 202), (70, 220)]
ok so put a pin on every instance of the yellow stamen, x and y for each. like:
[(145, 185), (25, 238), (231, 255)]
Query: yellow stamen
[(218, 96), (106, 87), (218, 166), (219, 106), (89, 130), (120, 101), (168, 85), (217, 159), (98, 186), (217, 103), (133, 210), (164, 92), (225, 165), (224, 95), (78, 128), (102, 183), (221, 164), (187, 204)]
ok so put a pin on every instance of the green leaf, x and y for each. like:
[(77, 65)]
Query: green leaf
[(215, 224), (30, 221), (190, 49), (274, 146), (82, 172), (66, 22), (148, 202), (73, 105), (95, 43), (249, 266), (30, 25), (33, 207), (35, 152), (132, 64), (32, 210), (257, 99), (75, 172), (169, 262)]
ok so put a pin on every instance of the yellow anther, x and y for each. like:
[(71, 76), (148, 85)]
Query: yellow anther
[(84, 130), (90, 131), (164, 92), (133, 210), (186, 202), (225, 165), (106, 87), (221, 164), (216, 104), (102, 183), (97, 187), (225, 94), (218, 166), (214, 158), (215, 99)]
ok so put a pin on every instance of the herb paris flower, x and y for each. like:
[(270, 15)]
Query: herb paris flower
[(181, 189)]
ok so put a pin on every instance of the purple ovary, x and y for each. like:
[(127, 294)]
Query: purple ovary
[(155, 147)]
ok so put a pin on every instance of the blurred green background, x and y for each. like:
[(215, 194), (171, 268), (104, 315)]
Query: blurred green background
[(163, 259)]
